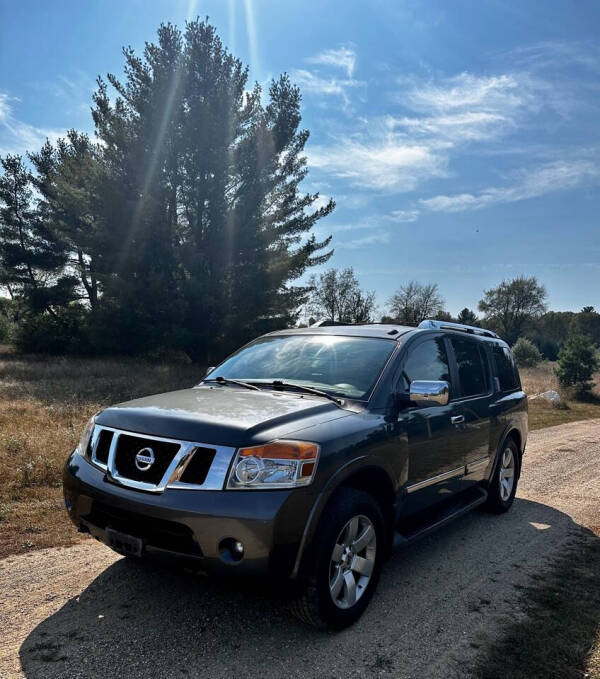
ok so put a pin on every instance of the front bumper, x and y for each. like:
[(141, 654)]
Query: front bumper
[(191, 525)]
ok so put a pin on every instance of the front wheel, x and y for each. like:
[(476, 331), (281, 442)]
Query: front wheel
[(349, 548), (503, 484)]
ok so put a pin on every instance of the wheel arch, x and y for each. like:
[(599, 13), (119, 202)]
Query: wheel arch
[(361, 474), (511, 432)]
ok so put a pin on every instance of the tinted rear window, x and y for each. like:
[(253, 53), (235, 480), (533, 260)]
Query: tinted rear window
[(471, 368), (506, 370)]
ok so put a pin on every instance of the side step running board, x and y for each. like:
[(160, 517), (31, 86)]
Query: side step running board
[(444, 515)]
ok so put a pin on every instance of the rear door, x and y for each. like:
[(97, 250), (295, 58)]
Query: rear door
[(474, 397)]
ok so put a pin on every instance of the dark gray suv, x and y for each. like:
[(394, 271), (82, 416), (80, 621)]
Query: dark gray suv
[(306, 455)]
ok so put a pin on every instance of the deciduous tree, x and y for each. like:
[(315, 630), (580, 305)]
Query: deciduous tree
[(512, 305), (336, 296), (414, 302)]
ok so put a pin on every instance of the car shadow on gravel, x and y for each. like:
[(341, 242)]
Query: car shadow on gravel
[(437, 604)]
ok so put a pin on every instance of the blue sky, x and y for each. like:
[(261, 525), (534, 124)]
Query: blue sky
[(459, 139)]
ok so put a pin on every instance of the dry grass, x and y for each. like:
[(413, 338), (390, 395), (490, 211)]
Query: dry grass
[(543, 414), (44, 404), (539, 379)]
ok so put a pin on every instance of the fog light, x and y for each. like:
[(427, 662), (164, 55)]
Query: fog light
[(231, 550)]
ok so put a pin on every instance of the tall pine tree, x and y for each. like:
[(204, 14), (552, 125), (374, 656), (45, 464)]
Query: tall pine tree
[(207, 224)]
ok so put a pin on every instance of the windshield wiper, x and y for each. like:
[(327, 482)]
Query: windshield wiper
[(219, 379), (279, 384)]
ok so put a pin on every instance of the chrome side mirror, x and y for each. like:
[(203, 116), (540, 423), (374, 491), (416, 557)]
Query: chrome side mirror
[(430, 391)]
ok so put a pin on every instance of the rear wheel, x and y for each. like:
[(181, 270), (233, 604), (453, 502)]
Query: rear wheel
[(503, 485), (349, 549)]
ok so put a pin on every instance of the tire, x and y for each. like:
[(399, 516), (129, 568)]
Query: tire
[(348, 547), (501, 490)]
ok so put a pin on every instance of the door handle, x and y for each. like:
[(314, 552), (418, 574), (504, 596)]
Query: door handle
[(457, 419)]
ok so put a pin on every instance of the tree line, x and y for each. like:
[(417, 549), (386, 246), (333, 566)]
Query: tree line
[(182, 225), (515, 308)]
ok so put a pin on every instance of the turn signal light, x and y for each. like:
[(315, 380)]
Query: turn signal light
[(280, 464)]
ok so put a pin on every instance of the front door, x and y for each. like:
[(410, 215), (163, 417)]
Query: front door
[(434, 441)]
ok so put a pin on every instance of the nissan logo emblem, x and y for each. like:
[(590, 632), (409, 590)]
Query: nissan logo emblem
[(144, 459)]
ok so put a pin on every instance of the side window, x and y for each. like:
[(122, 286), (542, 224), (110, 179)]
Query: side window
[(471, 368), (505, 368), (427, 361)]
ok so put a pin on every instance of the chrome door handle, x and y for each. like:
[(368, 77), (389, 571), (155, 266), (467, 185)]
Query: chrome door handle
[(457, 419)]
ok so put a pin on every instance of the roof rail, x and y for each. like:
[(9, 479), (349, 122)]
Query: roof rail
[(325, 323), (460, 327)]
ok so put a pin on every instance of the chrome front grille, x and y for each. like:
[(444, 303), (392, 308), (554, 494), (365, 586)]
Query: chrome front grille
[(185, 465)]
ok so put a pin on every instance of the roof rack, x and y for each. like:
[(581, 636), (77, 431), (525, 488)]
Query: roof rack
[(324, 323), (460, 327)]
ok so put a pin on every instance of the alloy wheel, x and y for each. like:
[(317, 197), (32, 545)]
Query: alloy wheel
[(507, 474), (352, 561)]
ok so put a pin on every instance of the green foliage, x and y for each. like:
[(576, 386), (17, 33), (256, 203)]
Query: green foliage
[(511, 306), (526, 353), (208, 224), (32, 254), (467, 317), (587, 322), (336, 296), (548, 347), (46, 334), (577, 362)]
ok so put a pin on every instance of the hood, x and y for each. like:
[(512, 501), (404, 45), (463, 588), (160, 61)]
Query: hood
[(227, 416)]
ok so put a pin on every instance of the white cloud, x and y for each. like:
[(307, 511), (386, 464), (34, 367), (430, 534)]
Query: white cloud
[(316, 84), (343, 58), (397, 153), (468, 92), (380, 238), (384, 163), (457, 127), (557, 176), (403, 216), (17, 136)]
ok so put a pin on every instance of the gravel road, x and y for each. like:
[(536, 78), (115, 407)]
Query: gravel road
[(85, 612)]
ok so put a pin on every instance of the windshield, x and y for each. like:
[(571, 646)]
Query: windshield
[(343, 366)]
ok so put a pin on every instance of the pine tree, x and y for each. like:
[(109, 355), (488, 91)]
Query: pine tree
[(208, 226), (32, 255), (68, 180)]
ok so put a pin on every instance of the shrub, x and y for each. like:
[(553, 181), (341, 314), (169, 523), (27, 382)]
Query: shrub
[(526, 353), (44, 334), (577, 362), (548, 348)]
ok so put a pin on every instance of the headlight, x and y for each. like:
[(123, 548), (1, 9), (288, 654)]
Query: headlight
[(281, 464), (84, 441)]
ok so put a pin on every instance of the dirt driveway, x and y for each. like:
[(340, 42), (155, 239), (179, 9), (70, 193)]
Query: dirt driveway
[(84, 612)]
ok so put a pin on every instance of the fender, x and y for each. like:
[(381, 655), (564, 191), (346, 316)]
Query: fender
[(334, 482)]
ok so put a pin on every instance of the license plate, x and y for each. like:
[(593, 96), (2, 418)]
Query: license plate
[(123, 543)]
